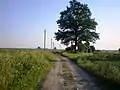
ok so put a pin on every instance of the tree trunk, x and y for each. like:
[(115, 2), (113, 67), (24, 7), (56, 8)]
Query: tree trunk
[(75, 44), (76, 40)]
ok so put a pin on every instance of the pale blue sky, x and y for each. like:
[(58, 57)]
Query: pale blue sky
[(22, 22)]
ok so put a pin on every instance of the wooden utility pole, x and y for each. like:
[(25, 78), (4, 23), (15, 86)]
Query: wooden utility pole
[(51, 43), (44, 39), (59, 46)]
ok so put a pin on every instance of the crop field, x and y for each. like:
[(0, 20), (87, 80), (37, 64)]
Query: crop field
[(24, 69), (105, 65)]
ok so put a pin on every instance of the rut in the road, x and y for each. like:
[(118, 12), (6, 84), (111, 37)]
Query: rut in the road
[(66, 75)]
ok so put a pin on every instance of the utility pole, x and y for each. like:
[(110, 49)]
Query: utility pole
[(51, 43), (44, 39), (59, 46)]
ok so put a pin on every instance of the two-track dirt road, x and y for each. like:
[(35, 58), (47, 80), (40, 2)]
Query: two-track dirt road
[(66, 75)]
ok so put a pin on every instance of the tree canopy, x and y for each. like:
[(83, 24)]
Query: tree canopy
[(76, 25)]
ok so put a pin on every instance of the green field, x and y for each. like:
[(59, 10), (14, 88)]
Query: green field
[(105, 65), (24, 69)]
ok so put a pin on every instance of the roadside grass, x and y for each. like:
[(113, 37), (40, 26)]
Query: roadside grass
[(24, 69), (104, 65), (76, 56)]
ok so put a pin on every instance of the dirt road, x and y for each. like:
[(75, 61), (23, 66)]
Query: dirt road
[(66, 75)]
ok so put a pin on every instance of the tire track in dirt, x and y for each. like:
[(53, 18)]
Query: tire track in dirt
[(66, 75)]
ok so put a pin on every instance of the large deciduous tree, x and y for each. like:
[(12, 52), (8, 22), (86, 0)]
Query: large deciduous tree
[(76, 25)]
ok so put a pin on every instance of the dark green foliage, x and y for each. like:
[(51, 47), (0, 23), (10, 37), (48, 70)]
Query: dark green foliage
[(55, 48), (71, 49), (81, 47), (85, 48), (92, 48), (68, 49), (89, 50), (119, 49), (38, 47), (76, 25)]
